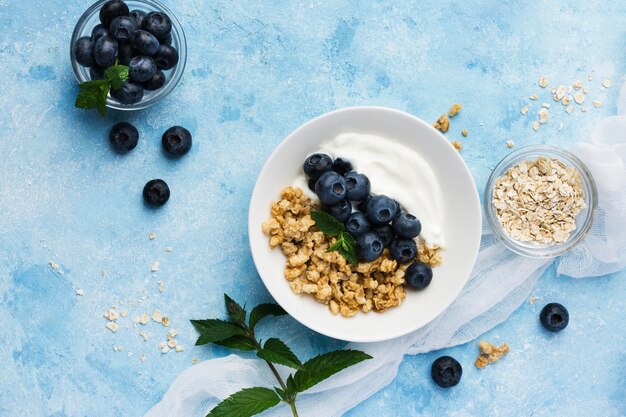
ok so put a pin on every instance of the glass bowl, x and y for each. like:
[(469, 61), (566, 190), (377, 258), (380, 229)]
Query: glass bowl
[(91, 18), (584, 219)]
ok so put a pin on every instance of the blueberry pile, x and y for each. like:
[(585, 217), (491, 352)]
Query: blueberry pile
[(378, 221), (139, 40)]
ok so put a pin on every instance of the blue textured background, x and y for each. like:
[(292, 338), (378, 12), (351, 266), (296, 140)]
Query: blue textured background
[(255, 72)]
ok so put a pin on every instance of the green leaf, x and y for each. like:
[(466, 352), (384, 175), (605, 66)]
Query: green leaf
[(246, 403), (327, 223), (281, 393), (348, 248), (237, 342), (93, 95), (325, 365), (117, 75), (276, 351), (264, 310), (335, 246), (214, 330), (235, 311)]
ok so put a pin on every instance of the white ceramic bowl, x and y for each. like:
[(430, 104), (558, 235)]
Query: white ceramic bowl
[(462, 229)]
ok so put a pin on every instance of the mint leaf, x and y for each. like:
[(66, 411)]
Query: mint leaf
[(317, 369), (214, 330), (264, 310), (276, 351), (237, 342), (327, 223), (246, 403), (335, 246), (348, 248), (235, 311), (93, 95), (117, 75)]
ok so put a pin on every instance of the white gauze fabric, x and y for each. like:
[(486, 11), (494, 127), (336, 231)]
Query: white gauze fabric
[(500, 282)]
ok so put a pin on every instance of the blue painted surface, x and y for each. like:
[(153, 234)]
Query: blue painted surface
[(255, 72)]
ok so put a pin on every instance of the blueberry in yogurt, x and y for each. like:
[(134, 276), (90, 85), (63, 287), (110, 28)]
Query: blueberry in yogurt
[(357, 224), (340, 211), (330, 188), (406, 225), (369, 246), (317, 164), (403, 250), (381, 209), (357, 186)]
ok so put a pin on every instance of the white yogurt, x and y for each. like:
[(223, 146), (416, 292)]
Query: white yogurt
[(394, 170)]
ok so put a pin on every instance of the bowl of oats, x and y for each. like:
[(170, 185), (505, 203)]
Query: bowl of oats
[(540, 201), (365, 224)]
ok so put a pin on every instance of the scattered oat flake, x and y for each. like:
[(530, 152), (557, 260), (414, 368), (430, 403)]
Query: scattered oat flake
[(579, 98), (112, 326), (165, 321), (566, 100), (607, 83), (464, 133), (195, 360), (118, 348), (156, 316), (583, 109), (161, 287), (129, 354), (143, 357), (545, 105), (124, 313), (110, 315), (155, 266), (560, 92), (490, 353), (143, 335), (569, 108), (168, 249), (54, 265), (543, 81), (536, 126), (510, 144), (164, 348), (81, 292), (457, 145), (171, 334), (143, 319), (151, 236), (596, 104), (533, 299), (179, 348), (577, 85), (586, 90), (533, 97), (524, 110), (456, 108), (553, 91), (172, 343), (543, 115)]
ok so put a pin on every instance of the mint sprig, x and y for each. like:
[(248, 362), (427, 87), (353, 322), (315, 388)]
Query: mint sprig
[(345, 244), (93, 94), (235, 333)]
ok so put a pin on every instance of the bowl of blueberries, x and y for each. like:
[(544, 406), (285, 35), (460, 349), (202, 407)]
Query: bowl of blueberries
[(143, 35)]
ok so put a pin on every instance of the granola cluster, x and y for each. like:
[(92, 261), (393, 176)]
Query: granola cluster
[(327, 276), (490, 353), (538, 201)]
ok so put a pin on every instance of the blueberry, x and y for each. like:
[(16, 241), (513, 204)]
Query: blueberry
[(129, 93), (418, 275), (357, 186), (141, 68), (381, 209), (362, 206), (138, 16), (105, 51), (156, 192), (369, 246), (340, 211), (341, 166), (330, 188), (166, 57), (96, 73), (311, 184), (407, 225), (123, 137), (176, 141), (155, 82), (403, 250), (125, 53), (111, 10), (554, 317), (99, 31), (446, 371), (157, 23), (166, 40), (122, 28), (357, 224), (385, 233), (317, 164), (83, 51), (144, 42)]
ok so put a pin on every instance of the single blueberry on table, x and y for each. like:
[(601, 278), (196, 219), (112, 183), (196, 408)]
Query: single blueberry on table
[(122, 28), (341, 166), (381, 209), (176, 141), (99, 31), (129, 93), (138, 16), (166, 57), (112, 9), (156, 192), (144, 42), (83, 51), (357, 186), (357, 224), (330, 188), (407, 225), (123, 137), (554, 317), (141, 68), (403, 250), (157, 23), (369, 246), (418, 275), (105, 51), (317, 164), (446, 371), (155, 82), (385, 233), (340, 211), (96, 73), (125, 53)]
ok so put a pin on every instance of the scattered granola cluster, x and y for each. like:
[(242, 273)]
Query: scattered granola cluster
[(310, 269), (538, 200), (443, 124), (490, 353)]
